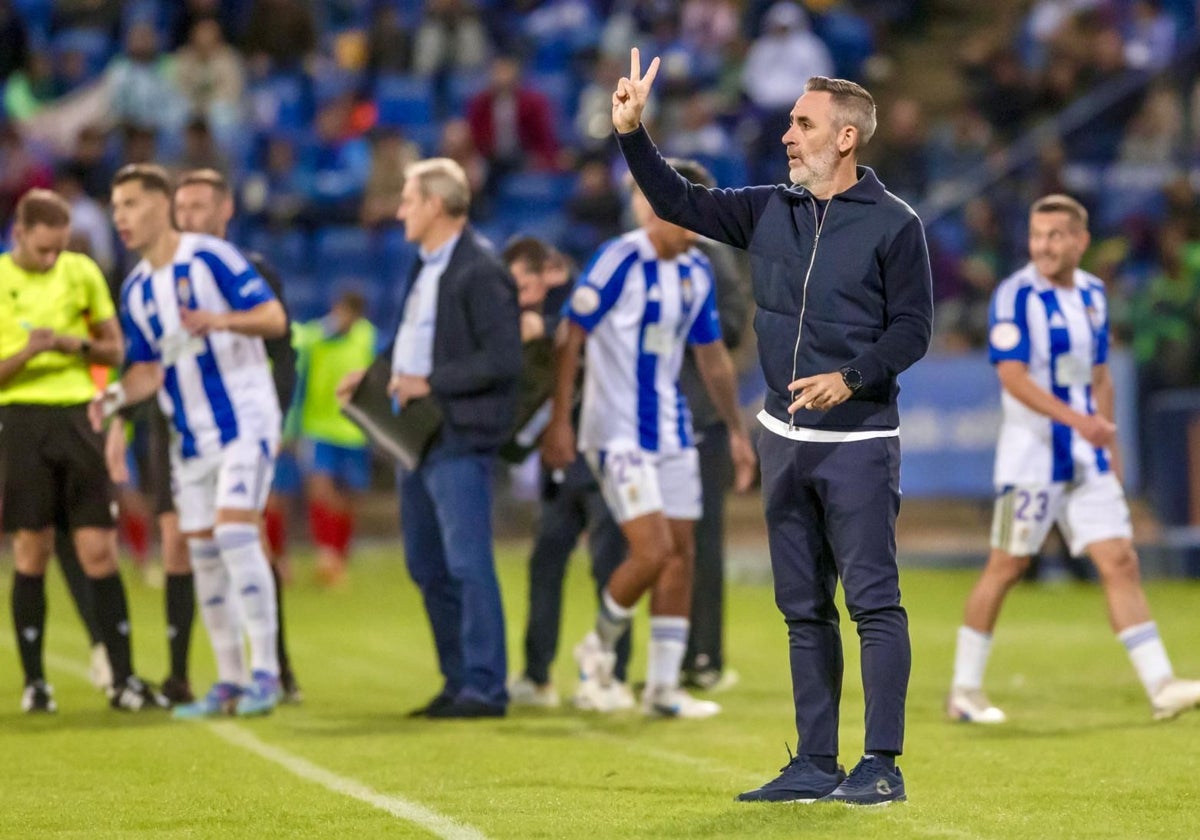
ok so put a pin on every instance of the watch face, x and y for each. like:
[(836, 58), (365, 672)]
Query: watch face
[(852, 378)]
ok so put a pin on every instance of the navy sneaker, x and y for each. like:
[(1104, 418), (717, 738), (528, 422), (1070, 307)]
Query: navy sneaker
[(870, 783), (798, 781)]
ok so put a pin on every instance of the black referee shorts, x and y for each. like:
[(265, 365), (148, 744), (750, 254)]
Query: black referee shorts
[(53, 461)]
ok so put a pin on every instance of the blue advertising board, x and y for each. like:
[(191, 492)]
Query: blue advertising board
[(950, 414)]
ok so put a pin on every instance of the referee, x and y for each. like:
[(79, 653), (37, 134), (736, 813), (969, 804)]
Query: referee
[(56, 319)]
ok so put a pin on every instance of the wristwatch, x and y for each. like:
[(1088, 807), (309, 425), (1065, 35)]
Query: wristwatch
[(853, 378), (85, 348)]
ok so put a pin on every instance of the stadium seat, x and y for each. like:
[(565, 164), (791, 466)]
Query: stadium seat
[(849, 39), (93, 44), (37, 15), (286, 251), (282, 102), (534, 193), (305, 296), (461, 87), (344, 251), (404, 100), (560, 88)]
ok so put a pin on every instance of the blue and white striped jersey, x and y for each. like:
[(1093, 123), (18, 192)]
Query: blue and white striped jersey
[(1061, 334), (640, 312), (216, 388)]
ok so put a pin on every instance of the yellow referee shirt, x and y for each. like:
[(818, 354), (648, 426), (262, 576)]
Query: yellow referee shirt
[(67, 299)]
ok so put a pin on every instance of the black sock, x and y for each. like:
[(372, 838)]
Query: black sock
[(181, 609), (29, 620), (285, 666), (824, 763), (112, 614), (888, 759), (77, 581)]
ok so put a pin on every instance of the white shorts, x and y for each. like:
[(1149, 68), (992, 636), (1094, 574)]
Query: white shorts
[(1087, 512), (635, 482), (236, 478)]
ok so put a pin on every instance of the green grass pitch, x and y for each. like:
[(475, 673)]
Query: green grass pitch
[(1079, 758)]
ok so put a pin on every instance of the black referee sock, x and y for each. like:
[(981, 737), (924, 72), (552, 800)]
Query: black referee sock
[(112, 614), (181, 610), (77, 581), (29, 620), (285, 665)]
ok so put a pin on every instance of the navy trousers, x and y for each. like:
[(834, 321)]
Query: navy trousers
[(831, 513), (446, 517), (705, 648), (568, 507)]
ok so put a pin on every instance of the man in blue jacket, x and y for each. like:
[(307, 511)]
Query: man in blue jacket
[(844, 304), (459, 344)]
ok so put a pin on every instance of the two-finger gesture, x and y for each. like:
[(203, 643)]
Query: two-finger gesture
[(629, 99)]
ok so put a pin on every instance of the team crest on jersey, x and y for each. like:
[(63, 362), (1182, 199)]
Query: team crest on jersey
[(585, 300), (687, 293), (1005, 336), (183, 288)]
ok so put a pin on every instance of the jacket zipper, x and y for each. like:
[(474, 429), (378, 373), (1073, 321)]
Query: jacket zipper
[(820, 223)]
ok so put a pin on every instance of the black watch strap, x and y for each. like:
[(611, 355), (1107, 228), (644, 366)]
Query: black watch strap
[(853, 378)]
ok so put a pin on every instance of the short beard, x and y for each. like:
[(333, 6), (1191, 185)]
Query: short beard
[(817, 171)]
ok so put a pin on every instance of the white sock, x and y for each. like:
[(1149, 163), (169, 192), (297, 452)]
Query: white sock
[(970, 658), (218, 609), (612, 620), (668, 644), (1147, 654), (241, 550)]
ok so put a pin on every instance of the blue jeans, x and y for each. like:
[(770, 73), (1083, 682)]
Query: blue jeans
[(446, 507)]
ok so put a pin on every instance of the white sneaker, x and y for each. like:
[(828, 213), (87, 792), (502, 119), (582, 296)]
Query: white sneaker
[(1174, 697), (620, 697), (99, 670), (525, 692), (595, 663), (970, 705), (591, 697), (673, 702)]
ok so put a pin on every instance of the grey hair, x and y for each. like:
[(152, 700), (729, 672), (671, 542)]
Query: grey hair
[(444, 178), (852, 103)]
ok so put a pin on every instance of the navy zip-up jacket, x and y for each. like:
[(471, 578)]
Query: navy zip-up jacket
[(869, 298)]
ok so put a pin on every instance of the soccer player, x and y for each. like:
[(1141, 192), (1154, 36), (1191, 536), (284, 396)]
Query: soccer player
[(203, 203), (570, 503), (333, 449), (645, 297), (1056, 460), (195, 313), (57, 319)]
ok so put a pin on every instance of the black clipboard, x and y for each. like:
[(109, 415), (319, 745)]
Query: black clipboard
[(408, 435)]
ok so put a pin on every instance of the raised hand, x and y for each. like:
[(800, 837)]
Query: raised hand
[(629, 99)]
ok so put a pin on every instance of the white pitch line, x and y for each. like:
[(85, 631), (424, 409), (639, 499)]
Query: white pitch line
[(404, 809)]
